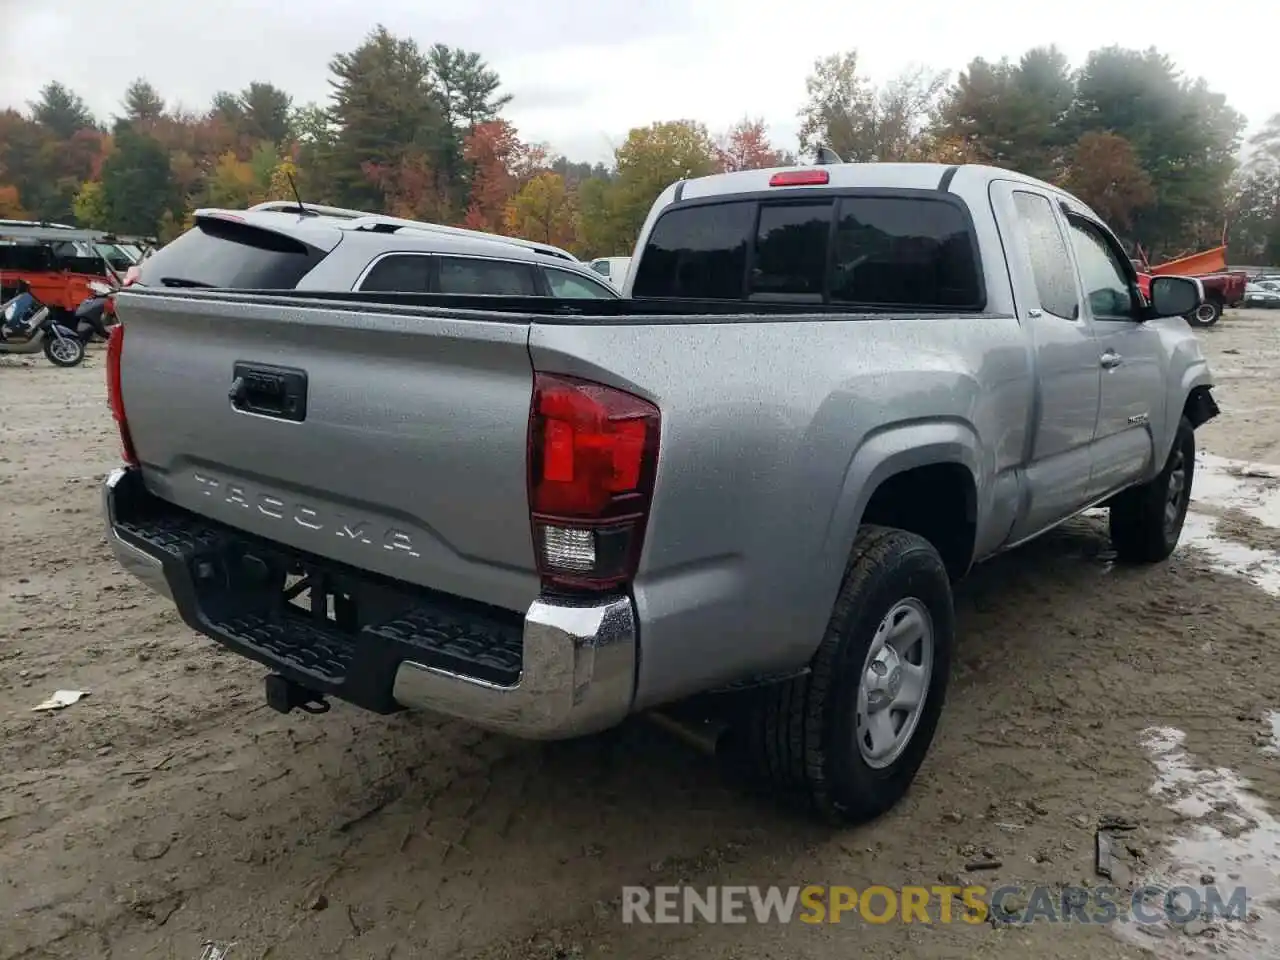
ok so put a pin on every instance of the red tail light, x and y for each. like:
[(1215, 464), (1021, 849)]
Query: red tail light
[(800, 178), (115, 395), (593, 457)]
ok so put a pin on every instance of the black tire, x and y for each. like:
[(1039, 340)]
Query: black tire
[(1143, 530), (1206, 315), (801, 735), (64, 351)]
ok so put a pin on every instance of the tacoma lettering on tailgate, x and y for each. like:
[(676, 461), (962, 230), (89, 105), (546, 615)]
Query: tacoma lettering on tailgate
[(362, 531)]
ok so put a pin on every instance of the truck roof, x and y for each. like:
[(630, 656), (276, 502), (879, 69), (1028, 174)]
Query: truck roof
[(852, 176)]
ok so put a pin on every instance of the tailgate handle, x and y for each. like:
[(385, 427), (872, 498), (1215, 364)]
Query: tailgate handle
[(269, 391)]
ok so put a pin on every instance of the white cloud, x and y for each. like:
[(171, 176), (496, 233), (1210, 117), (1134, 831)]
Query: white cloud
[(583, 73)]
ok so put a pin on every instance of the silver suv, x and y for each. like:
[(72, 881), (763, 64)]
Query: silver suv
[(282, 246)]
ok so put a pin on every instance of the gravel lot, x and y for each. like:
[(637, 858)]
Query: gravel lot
[(171, 807)]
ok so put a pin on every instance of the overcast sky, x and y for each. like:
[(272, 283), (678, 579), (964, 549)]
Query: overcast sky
[(583, 73)]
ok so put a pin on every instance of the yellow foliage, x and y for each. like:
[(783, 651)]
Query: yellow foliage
[(280, 188), (89, 207), (233, 183), (544, 210)]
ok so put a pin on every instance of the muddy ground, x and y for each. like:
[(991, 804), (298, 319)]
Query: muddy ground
[(171, 807)]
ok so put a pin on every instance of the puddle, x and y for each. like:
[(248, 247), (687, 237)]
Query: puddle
[(1259, 567), (1232, 841), (1254, 490)]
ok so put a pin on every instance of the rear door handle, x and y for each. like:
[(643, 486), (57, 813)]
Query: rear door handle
[(1110, 360)]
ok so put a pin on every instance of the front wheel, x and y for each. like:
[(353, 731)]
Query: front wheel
[(1146, 521), (1205, 315), (849, 736), (64, 351)]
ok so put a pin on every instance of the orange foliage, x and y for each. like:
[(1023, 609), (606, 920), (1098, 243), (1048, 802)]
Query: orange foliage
[(413, 190), (500, 163), (11, 204), (746, 147)]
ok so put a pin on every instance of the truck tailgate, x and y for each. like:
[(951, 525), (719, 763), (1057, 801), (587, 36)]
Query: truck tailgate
[(392, 440)]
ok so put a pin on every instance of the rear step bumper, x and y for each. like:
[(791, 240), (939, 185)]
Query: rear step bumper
[(565, 669)]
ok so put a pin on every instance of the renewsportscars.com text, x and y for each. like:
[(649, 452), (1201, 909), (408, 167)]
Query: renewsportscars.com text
[(815, 904)]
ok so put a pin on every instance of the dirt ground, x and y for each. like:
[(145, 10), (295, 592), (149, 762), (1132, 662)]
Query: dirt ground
[(171, 808)]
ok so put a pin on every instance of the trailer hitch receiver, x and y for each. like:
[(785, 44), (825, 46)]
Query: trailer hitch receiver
[(284, 695)]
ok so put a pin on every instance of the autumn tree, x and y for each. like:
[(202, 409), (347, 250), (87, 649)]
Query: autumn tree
[(1011, 114), (1184, 136), (89, 207), (860, 122), (499, 164), (544, 210), (227, 108), (28, 153), (575, 173), (1255, 206), (11, 203), (1104, 172), (265, 113), (233, 183), (601, 230), (650, 160), (384, 107), (137, 183), (469, 89), (413, 188), (142, 103), (62, 111), (746, 146)]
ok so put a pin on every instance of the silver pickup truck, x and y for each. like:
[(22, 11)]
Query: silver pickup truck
[(827, 393)]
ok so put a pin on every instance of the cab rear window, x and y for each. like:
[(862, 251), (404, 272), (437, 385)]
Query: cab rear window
[(221, 253), (902, 252)]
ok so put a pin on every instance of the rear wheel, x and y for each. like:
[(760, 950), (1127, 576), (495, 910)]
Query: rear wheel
[(849, 736), (1205, 315), (64, 351)]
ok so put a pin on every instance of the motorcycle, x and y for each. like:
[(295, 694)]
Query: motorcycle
[(95, 313), (61, 345)]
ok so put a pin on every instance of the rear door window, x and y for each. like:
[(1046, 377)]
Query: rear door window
[(1050, 262), (400, 273), (219, 253), (698, 253), (564, 284), (493, 277), (791, 251), (910, 252)]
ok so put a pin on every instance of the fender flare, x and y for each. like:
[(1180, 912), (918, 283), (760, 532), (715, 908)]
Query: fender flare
[(891, 450)]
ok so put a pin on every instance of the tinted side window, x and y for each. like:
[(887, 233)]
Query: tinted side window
[(400, 274), (1106, 283), (791, 249), (906, 252), (494, 277), (601, 267), (697, 253), (219, 253), (565, 284), (1050, 261)]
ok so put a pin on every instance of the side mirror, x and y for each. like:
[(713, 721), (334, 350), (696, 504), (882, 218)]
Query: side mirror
[(1175, 296)]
